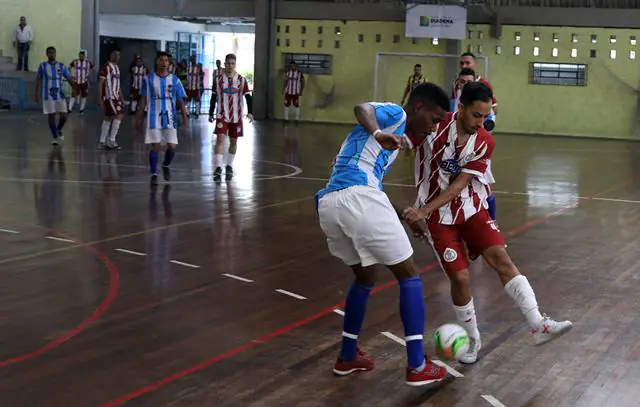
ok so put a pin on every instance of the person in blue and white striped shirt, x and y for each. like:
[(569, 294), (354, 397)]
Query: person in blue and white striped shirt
[(161, 90), (363, 229), (50, 89)]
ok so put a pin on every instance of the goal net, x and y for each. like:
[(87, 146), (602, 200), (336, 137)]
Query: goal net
[(392, 70)]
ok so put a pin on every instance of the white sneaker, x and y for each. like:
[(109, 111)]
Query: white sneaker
[(471, 356), (550, 329)]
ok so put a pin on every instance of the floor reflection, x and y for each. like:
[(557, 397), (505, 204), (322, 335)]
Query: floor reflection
[(159, 244), (49, 193)]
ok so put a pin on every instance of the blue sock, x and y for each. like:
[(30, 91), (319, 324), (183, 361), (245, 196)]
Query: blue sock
[(54, 129), (492, 206), (354, 311), (61, 123), (168, 157), (153, 161), (412, 313)]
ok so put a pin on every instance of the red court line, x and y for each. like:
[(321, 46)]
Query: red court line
[(114, 287), (285, 329)]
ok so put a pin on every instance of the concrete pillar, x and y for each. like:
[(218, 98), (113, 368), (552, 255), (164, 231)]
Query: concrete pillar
[(90, 29), (452, 67), (263, 70)]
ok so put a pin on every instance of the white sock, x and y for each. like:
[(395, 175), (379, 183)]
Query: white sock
[(286, 113), (297, 113), (105, 131), (218, 161), (71, 102), (521, 292), (83, 103), (466, 316), (230, 158), (115, 126), (134, 104)]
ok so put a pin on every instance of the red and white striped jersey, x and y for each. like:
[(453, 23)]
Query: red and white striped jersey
[(110, 72), (193, 77), (439, 160), (138, 74), (230, 91), (293, 82), (81, 70)]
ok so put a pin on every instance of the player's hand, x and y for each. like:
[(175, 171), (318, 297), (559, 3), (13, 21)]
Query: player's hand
[(414, 215), (419, 229), (250, 117), (211, 119), (390, 141)]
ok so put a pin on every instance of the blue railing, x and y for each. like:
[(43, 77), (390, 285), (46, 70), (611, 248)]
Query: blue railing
[(12, 90)]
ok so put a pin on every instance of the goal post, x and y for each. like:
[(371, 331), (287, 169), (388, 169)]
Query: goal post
[(392, 70)]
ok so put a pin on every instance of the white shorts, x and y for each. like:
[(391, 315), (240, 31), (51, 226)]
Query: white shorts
[(161, 136), (363, 228), (54, 106)]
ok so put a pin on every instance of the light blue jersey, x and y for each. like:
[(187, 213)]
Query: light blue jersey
[(361, 159), (52, 77), (162, 93)]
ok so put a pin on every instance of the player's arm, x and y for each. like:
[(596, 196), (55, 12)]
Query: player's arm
[(406, 90), (301, 84), (181, 96), (36, 87), (67, 74), (143, 99), (101, 83), (366, 115)]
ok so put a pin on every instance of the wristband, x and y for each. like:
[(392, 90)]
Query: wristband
[(375, 133)]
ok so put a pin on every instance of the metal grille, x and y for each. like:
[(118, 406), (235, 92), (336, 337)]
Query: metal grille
[(558, 74)]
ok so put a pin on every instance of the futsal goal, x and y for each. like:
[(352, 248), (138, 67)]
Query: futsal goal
[(392, 70)]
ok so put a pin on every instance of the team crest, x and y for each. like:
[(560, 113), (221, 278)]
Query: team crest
[(451, 166), (220, 125), (449, 255)]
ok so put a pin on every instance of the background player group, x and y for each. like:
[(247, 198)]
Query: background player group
[(363, 229), (158, 95)]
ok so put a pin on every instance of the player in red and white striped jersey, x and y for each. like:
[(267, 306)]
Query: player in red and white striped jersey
[(293, 88), (111, 101), (138, 73), (452, 194), (194, 76), (228, 91), (81, 69), (217, 72)]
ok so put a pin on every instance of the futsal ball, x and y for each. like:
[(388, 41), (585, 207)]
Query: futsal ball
[(451, 341)]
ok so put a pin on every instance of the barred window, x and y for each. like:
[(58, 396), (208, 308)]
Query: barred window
[(314, 64), (543, 73)]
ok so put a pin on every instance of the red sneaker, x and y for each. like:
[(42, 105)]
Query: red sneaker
[(361, 362), (431, 373)]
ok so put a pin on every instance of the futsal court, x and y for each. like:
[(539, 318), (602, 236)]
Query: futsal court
[(205, 294)]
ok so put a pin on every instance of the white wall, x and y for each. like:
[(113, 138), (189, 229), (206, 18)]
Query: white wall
[(144, 27)]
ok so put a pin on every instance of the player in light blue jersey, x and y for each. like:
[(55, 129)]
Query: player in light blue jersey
[(50, 89), (363, 227), (160, 93)]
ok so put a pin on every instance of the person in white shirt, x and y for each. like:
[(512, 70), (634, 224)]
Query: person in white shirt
[(22, 42)]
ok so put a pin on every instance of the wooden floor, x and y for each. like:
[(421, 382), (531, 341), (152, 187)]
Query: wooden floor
[(203, 295)]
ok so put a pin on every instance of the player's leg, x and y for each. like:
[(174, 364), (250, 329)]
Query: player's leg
[(74, 94), (170, 137), (118, 111), (106, 125), (287, 104), (196, 97), (235, 131), (84, 92), (134, 101), (221, 130), (380, 238), (296, 104), (153, 140), (447, 243), (483, 236), (61, 109)]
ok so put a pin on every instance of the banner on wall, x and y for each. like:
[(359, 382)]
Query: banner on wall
[(436, 21)]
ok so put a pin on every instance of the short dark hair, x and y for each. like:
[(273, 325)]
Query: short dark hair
[(81, 53), (466, 72), (475, 91), (114, 49), (417, 66), (230, 56), (430, 93), (468, 54), (162, 54), (50, 48)]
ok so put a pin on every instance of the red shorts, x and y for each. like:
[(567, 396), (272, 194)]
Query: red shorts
[(80, 89), (479, 233), (135, 94), (233, 129), (193, 94), (112, 108), (291, 99)]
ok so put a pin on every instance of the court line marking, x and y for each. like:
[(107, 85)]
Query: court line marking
[(339, 311), (9, 231), (130, 252), (151, 230), (246, 280), (153, 386), (181, 263), (453, 372), (290, 294), (59, 239), (492, 400)]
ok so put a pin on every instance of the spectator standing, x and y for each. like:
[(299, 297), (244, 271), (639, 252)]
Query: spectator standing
[(22, 42)]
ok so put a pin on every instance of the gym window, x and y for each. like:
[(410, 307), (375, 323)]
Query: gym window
[(543, 73), (313, 64)]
